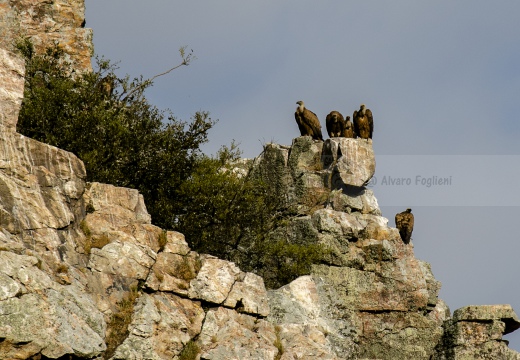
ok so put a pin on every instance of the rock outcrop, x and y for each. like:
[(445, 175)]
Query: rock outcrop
[(475, 332), (11, 93), (47, 23), (85, 275)]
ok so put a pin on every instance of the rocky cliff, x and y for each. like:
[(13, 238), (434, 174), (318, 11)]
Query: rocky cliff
[(48, 22), (85, 275)]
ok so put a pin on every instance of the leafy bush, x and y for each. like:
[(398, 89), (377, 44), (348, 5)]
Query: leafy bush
[(227, 210), (234, 215), (109, 124), (190, 351), (125, 141)]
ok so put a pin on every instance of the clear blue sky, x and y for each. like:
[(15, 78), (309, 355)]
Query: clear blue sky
[(441, 77)]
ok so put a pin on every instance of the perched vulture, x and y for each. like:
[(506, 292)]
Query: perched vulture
[(404, 223), (307, 122), (335, 124), (363, 122), (106, 85), (349, 129)]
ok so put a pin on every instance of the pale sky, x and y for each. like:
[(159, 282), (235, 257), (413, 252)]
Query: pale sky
[(441, 77)]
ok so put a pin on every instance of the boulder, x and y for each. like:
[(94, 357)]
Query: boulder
[(174, 272), (12, 71), (351, 161), (303, 325), (486, 313), (475, 332), (40, 316), (162, 324), (123, 259), (227, 334), (214, 280), (46, 23), (249, 296)]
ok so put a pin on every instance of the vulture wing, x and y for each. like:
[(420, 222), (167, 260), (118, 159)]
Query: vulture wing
[(368, 113), (329, 125), (404, 223), (299, 121), (312, 121), (355, 121)]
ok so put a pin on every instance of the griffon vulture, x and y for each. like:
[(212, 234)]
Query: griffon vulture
[(363, 122), (404, 223), (335, 124), (349, 129), (106, 85), (307, 122)]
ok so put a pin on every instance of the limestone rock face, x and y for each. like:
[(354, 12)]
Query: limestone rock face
[(475, 332), (46, 23), (304, 328), (308, 172), (370, 298), (40, 316), (161, 326), (214, 280), (346, 307), (251, 294), (12, 70), (352, 161), (174, 272), (230, 335), (39, 184)]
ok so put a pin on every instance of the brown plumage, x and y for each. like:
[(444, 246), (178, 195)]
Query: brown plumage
[(404, 223), (348, 132), (363, 122), (308, 122), (335, 124), (106, 85)]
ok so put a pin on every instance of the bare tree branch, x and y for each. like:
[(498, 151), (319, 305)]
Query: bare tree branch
[(186, 60)]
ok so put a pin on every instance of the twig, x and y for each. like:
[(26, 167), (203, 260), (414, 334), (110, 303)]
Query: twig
[(186, 59)]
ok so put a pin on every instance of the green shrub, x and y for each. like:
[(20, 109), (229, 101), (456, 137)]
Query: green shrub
[(190, 351), (162, 240), (110, 125), (125, 141)]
